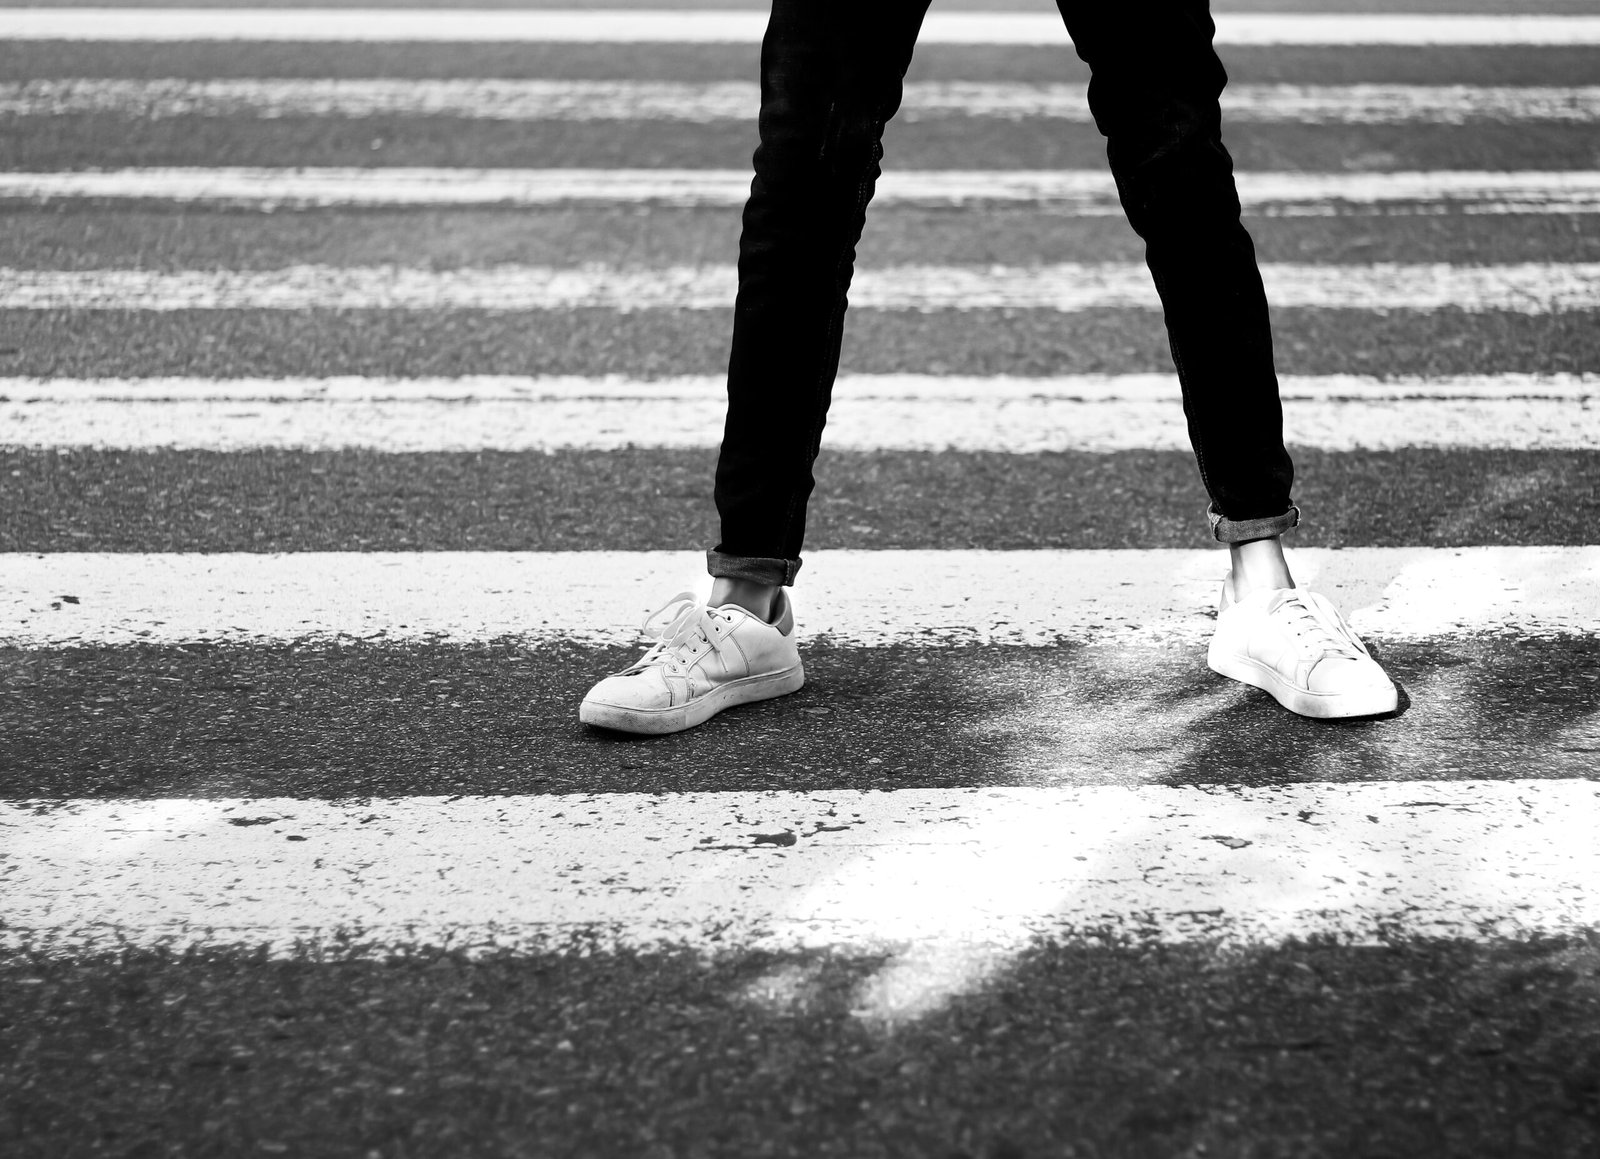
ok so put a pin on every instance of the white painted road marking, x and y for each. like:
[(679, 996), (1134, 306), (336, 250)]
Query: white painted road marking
[(1146, 387), (929, 598), (610, 100), (869, 412), (864, 871), (1078, 191), (739, 27), (1523, 288)]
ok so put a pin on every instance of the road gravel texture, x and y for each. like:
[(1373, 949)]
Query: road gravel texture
[(162, 237), (1133, 1052), (653, 343), (361, 718), (109, 142), (93, 500)]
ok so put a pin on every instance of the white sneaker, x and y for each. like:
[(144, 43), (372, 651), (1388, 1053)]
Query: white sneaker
[(705, 659), (1294, 644)]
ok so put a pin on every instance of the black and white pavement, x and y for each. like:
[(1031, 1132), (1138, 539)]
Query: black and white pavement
[(359, 392)]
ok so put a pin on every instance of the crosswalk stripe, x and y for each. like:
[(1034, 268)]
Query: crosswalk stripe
[(1576, 388), (1081, 192), (93, 343), (1523, 288), (920, 598), (743, 27), (602, 100), (996, 868), (890, 412)]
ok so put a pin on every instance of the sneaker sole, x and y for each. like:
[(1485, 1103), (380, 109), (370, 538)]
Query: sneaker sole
[(1322, 705), (660, 721)]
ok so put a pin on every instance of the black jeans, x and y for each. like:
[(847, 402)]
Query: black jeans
[(831, 76)]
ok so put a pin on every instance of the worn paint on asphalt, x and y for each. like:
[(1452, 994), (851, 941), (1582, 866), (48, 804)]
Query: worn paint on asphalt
[(603, 100), (865, 871), (722, 26), (927, 598), (1525, 288), (884, 412), (1084, 193)]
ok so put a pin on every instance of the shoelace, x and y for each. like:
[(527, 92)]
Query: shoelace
[(687, 621), (1314, 619)]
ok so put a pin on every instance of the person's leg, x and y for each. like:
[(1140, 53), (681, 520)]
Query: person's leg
[(1154, 94), (831, 75)]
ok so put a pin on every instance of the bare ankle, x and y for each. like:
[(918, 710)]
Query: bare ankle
[(1257, 564), (755, 598)]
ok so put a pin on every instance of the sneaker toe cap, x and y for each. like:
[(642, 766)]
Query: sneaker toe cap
[(1340, 675), (637, 691)]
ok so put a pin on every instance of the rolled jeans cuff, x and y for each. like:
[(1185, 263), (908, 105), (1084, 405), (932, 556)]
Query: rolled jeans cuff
[(1226, 530), (753, 568)]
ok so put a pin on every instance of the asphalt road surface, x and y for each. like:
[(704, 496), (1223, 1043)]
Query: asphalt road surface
[(304, 852)]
